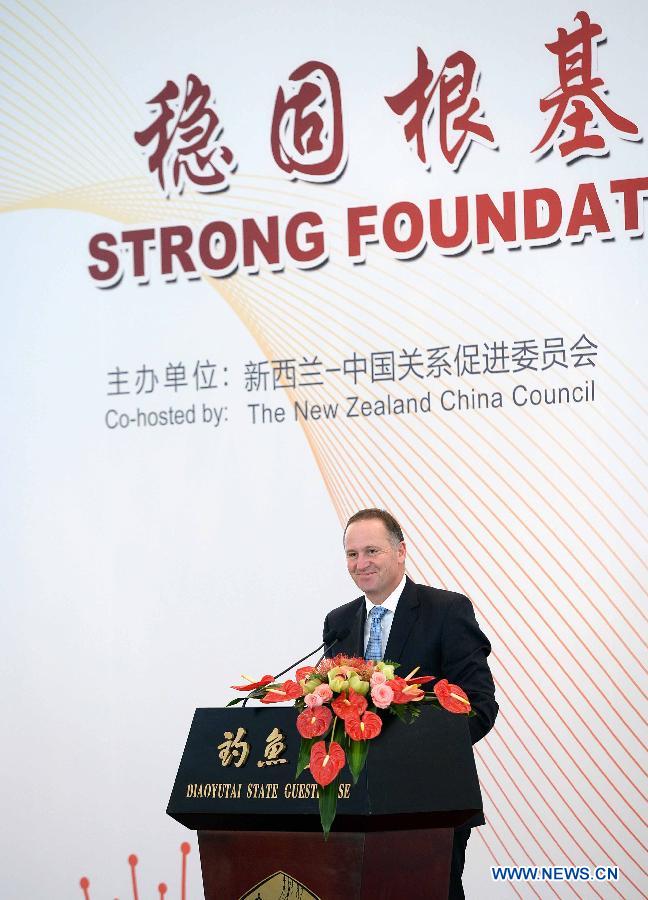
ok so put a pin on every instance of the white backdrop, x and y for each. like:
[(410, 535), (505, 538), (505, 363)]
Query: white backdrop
[(147, 567)]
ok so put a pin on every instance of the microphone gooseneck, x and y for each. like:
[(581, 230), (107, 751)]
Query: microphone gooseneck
[(331, 637)]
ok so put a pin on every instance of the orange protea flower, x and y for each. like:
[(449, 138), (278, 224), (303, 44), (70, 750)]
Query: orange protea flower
[(365, 728), (349, 704), (253, 685), (314, 722), (289, 690), (451, 697), (325, 764), (354, 663)]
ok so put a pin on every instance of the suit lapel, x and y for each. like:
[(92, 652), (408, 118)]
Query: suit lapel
[(405, 618), (356, 637), (353, 643)]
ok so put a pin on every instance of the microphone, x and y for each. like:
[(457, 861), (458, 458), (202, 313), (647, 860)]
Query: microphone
[(331, 638)]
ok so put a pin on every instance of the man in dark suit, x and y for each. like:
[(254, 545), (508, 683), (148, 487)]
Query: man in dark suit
[(413, 625)]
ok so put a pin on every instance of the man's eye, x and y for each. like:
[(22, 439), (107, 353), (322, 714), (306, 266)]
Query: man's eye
[(372, 551)]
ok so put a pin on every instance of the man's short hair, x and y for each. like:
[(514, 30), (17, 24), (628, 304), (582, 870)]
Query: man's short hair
[(394, 530)]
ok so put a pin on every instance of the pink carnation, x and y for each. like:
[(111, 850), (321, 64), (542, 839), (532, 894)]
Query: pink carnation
[(378, 677), (313, 700), (382, 695), (324, 692)]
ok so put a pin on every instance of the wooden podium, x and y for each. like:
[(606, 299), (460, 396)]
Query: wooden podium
[(259, 831)]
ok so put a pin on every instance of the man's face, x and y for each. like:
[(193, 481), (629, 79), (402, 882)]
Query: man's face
[(374, 562)]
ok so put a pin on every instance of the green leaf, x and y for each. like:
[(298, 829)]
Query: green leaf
[(406, 712), (235, 701), (357, 757), (304, 755), (328, 805)]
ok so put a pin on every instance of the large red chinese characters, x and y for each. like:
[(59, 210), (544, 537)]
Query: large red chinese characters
[(578, 100), (184, 137), (307, 137), (459, 119)]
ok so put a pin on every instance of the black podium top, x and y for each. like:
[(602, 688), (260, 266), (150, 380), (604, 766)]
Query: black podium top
[(237, 772)]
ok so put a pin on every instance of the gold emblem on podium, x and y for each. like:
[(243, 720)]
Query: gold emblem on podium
[(279, 886)]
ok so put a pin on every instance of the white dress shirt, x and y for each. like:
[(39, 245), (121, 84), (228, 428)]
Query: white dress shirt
[(390, 605)]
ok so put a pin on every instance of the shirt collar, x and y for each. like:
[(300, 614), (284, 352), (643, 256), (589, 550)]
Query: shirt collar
[(392, 601)]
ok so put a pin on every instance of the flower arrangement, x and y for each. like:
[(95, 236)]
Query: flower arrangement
[(339, 701)]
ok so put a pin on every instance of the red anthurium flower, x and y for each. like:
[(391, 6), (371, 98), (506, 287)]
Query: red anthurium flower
[(398, 685), (293, 689), (349, 704), (451, 697), (289, 690), (304, 672), (325, 764), (253, 685), (314, 722), (404, 692), (275, 696), (363, 729), (421, 679)]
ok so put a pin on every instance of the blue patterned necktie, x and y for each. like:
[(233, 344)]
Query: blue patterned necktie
[(374, 644)]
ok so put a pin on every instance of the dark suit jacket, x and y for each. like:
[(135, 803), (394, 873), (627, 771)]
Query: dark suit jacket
[(437, 631)]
